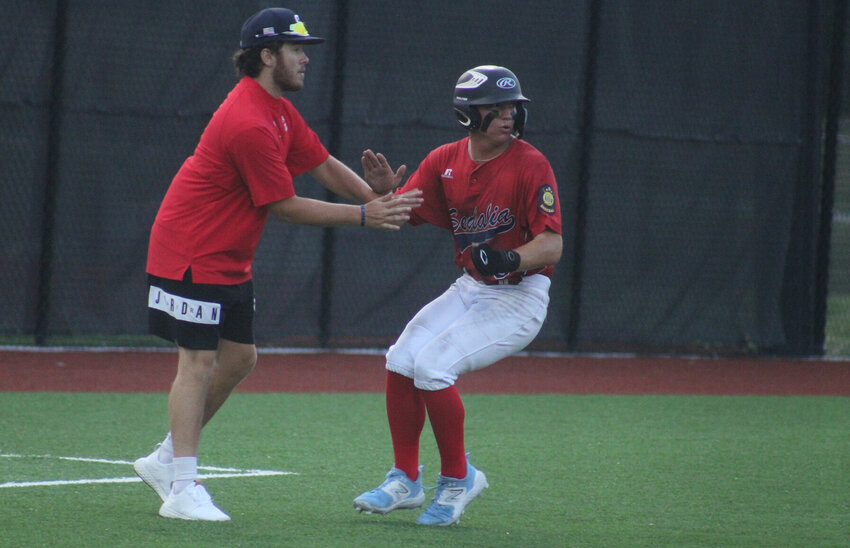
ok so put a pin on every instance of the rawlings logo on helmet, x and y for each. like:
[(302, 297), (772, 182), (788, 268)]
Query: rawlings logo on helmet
[(506, 83)]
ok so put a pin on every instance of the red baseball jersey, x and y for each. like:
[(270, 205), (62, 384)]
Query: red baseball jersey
[(214, 212), (505, 202)]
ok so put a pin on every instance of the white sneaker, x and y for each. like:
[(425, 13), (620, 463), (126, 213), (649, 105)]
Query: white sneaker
[(193, 502), (157, 475)]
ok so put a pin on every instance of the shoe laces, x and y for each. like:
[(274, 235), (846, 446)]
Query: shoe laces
[(156, 455), (396, 474), (445, 481), (199, 493)]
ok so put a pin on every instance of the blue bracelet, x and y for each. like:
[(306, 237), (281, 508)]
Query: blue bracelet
[(362, 215)]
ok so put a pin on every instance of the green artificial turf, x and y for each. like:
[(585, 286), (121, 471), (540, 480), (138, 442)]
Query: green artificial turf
[(564, 470)]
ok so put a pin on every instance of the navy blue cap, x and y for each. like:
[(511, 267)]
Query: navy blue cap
[(275, 25)]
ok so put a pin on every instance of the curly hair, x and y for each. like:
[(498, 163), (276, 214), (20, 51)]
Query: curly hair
[(248, 62)]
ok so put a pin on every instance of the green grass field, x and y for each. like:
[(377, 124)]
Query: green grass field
[(564, 471)]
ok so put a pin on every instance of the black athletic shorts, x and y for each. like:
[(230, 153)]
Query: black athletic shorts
[(196, 316)]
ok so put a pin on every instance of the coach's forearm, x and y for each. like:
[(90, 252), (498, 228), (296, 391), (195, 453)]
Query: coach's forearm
[(342, 180), (307, 211)]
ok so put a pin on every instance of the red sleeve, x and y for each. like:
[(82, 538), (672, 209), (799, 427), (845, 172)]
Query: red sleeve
[(434, 209), (261, 165), (306, 151), (268, 163), (542, 205)]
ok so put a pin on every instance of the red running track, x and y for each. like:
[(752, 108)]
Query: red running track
[(138, 371)]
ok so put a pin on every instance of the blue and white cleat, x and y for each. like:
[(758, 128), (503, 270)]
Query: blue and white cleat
[(452, 497), (397, 492)]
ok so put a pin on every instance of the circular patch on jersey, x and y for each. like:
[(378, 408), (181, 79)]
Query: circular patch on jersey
[(546, 199)]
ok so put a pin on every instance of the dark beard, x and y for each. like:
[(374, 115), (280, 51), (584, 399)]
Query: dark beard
[(285, 84)]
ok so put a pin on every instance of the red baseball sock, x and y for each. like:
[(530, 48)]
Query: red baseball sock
[(406, 415), (446, 412)]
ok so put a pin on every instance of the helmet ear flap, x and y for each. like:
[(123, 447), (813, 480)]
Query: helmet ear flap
[(469, 118), (519, 120)]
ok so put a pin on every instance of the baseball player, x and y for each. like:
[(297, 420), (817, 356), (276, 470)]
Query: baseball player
[(497, 195), (203, 240)]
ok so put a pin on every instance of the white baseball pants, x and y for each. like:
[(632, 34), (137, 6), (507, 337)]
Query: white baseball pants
[(470, 326)]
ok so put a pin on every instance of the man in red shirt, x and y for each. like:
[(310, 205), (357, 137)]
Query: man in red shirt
[(497, 195), (205, 234)]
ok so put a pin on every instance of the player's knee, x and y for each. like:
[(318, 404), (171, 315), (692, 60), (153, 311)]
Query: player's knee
[(428, 377), (400, 369), (431, 383), (399, 361), (243, 362), (197, 365), (436, 365), (247, 363), (251, 357)]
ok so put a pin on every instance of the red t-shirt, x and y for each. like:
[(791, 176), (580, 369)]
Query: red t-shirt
[(505, 202), (214, 212)]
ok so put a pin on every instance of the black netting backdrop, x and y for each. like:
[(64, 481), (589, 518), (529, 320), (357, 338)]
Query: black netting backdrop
[(691, 184), (24, 123), (681, 135)]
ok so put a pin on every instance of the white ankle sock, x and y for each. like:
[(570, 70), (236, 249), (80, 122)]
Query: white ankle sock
[(185, 472), (166, 450)]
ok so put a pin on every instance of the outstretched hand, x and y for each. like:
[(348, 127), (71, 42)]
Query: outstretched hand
[(393, 210), (378, 174)]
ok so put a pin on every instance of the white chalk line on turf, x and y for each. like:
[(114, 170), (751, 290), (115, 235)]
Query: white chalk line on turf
[(217, 472)]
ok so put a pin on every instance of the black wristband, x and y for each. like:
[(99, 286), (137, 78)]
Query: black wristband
[(510, 260), (362, 215), (489, 261)]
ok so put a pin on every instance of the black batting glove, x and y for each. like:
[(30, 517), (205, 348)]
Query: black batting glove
[(489, 261)]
